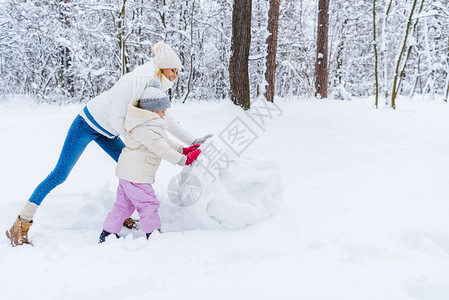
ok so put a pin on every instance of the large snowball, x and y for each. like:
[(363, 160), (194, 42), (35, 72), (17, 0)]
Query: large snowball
[(247, 192)]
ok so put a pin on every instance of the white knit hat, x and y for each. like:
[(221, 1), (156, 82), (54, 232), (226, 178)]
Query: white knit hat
[(153, 99), (165, 57)]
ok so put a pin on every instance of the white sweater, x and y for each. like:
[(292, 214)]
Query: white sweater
[(106, 112)]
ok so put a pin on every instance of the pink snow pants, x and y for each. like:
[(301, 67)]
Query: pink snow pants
[(131, 196)]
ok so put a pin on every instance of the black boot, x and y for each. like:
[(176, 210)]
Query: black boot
[(148, 234), (103, 236)]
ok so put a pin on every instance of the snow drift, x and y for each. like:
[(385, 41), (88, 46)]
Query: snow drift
[(247, 192)]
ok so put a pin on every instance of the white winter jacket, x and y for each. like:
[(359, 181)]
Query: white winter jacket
[(106, 112), (146, 144)]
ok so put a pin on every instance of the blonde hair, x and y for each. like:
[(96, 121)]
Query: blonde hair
[(159, 74)]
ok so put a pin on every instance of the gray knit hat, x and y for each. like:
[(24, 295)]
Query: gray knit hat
[(154, 99)]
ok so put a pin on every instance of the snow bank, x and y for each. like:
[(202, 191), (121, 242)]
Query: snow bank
[(363, 215)]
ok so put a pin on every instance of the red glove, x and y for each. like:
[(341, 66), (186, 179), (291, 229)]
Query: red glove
[(191, 157), (187, 150)]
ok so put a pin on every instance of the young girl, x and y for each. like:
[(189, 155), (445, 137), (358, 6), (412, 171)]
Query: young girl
[(146, 144), (101, 120)]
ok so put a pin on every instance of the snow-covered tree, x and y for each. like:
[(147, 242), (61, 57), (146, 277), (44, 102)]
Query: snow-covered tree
[(72, 50)]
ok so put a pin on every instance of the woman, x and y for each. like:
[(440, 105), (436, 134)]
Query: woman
[(102, 121)]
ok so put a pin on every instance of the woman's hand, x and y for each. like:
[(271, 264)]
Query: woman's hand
[(202, 139)]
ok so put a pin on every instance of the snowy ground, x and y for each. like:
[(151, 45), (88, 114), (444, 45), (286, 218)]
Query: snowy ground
[(364, 214)]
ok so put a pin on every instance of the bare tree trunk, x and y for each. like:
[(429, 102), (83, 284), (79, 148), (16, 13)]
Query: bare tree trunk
[(140, 14), (410, 47), (447, 88), (430, 82), (447, 74), (339, 57), (418, 64), (384, 52), (375, 54), (240, 43), (417, 77), (395, 89), (321, 71), (66, 58), (192, 54), (121, 40), (162, 14), (273, 20)]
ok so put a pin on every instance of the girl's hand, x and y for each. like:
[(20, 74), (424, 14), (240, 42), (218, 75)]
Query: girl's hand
[(192, 156), (187, 150)]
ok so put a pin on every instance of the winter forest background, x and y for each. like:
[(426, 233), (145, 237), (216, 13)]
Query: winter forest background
[(72, 50)]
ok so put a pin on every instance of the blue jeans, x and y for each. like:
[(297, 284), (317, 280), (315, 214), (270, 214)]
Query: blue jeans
[(79, 136)]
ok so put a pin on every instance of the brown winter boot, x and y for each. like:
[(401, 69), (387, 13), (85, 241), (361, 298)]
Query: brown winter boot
[(130, 223), (18, 233)]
